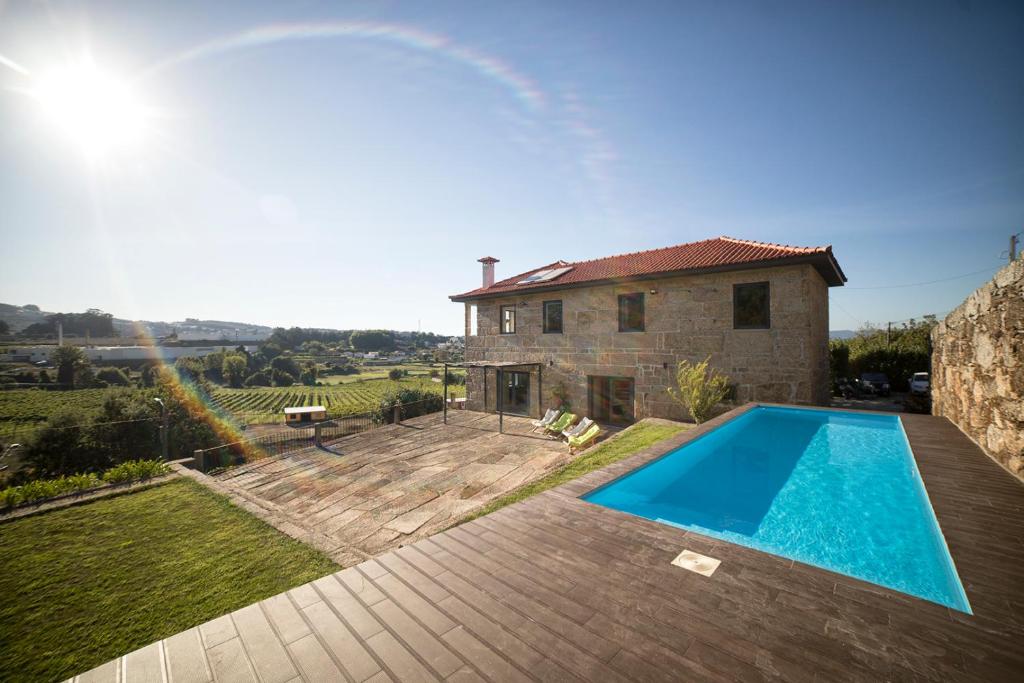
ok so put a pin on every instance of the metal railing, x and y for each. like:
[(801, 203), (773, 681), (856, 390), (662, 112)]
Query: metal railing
[(218, 458)]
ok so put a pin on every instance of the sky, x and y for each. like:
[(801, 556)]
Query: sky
[(333, 164)]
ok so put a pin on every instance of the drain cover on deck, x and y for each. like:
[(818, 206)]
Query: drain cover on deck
[(696, 562)]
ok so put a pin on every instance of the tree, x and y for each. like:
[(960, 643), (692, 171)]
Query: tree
[(372, 340), (72, 366), (258, 379), (114, 376), (233, 369), (213, 365), (309, 373), (700, 388), (270, 350), (394, 374), (61, 447), (282, 378), (285, 364), (4, 327), (44, 377)]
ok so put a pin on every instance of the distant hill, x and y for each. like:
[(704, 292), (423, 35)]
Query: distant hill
[(20, 317), (841, 334)]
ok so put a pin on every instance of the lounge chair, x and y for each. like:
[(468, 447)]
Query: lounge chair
[(561, 423), (578, 443), (581, 426), (548, 418)]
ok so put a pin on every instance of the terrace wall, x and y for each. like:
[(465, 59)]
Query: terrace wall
[(688, 317), (978, 367)]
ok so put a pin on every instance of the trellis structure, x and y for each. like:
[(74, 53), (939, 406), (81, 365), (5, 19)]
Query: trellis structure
[(499, 367)]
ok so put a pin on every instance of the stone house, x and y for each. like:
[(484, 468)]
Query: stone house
[(606, 335)]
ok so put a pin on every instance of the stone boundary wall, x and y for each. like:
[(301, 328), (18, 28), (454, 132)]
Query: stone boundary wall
[(978, 367)]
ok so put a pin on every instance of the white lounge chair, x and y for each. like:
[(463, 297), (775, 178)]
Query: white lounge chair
[(550, 416), (580, 427)]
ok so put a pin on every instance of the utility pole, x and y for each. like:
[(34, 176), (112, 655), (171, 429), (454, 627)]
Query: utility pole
[(1013, 247)]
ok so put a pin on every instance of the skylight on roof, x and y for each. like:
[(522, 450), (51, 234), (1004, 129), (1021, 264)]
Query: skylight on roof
[(544, 275)]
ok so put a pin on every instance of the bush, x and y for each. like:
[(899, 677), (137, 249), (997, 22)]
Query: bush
[(282, 378), (899, 353), (415, 402), (135, 470), (43, 489), (113, 377), (700, 388), (258, 379), (394, 374)]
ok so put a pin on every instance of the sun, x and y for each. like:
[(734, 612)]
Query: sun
[(96, 111)]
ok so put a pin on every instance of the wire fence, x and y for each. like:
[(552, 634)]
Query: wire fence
[(219, 458)]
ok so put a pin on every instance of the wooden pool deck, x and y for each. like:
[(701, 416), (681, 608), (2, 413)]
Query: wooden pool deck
[(555, 588)]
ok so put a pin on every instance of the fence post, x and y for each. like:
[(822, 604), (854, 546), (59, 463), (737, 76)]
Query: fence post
[(397, 417), (197, 458), (316, 434)]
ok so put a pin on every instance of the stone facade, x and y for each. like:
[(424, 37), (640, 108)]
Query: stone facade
[(978, 367), (686, 317)]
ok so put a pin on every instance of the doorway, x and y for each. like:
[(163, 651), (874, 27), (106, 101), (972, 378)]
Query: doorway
[(515, 397), (611, 399)]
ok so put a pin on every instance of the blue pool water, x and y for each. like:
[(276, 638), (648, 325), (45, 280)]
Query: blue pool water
[(837, 490)]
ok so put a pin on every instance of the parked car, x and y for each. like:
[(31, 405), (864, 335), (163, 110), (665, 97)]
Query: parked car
[(919, 383), (875, 383)]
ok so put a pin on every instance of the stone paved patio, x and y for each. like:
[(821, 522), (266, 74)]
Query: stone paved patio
[(374, 491)]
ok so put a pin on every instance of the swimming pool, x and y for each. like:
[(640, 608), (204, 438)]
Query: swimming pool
[(838, 490)]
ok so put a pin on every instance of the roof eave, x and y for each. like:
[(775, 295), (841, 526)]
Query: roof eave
[(823, 261)]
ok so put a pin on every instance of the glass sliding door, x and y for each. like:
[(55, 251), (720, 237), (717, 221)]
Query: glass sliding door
[(611, 399), (516, 393)]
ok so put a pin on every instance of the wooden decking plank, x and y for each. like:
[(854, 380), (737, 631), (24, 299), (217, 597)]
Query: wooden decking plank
[(362, 622), (313, 660), (217, 631), (104, 673), (419, 581), (266, 651), (286, 618), (229, 662), (417, 638), (186, 660), (418, 607), (144, 664), (360, 585), (399, 661), (346, 647)]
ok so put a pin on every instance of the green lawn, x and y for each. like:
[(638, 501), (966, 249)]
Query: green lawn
[(83, 585), (633, 439)]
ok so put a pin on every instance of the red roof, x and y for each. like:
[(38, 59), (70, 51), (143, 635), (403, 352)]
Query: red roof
[(719, 253)]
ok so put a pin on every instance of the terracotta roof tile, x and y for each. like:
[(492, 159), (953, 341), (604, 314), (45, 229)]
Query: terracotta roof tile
[(717, 253)]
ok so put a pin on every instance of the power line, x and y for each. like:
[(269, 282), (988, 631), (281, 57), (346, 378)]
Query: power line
[(929, 282)]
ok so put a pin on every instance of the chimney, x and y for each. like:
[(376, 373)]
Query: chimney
[(488, 262)]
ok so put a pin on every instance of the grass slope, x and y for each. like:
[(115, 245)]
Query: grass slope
[(631, 440), (86, 584)]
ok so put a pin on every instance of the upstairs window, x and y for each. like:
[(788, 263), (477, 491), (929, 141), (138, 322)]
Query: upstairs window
[(631, 312), (508, 319), (751, 304), (552, 317)]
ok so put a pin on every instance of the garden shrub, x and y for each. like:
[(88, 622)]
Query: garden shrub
[(700, 388), (415, 402), (43, 489)]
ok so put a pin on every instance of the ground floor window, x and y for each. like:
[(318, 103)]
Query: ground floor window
[(611, 399)]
